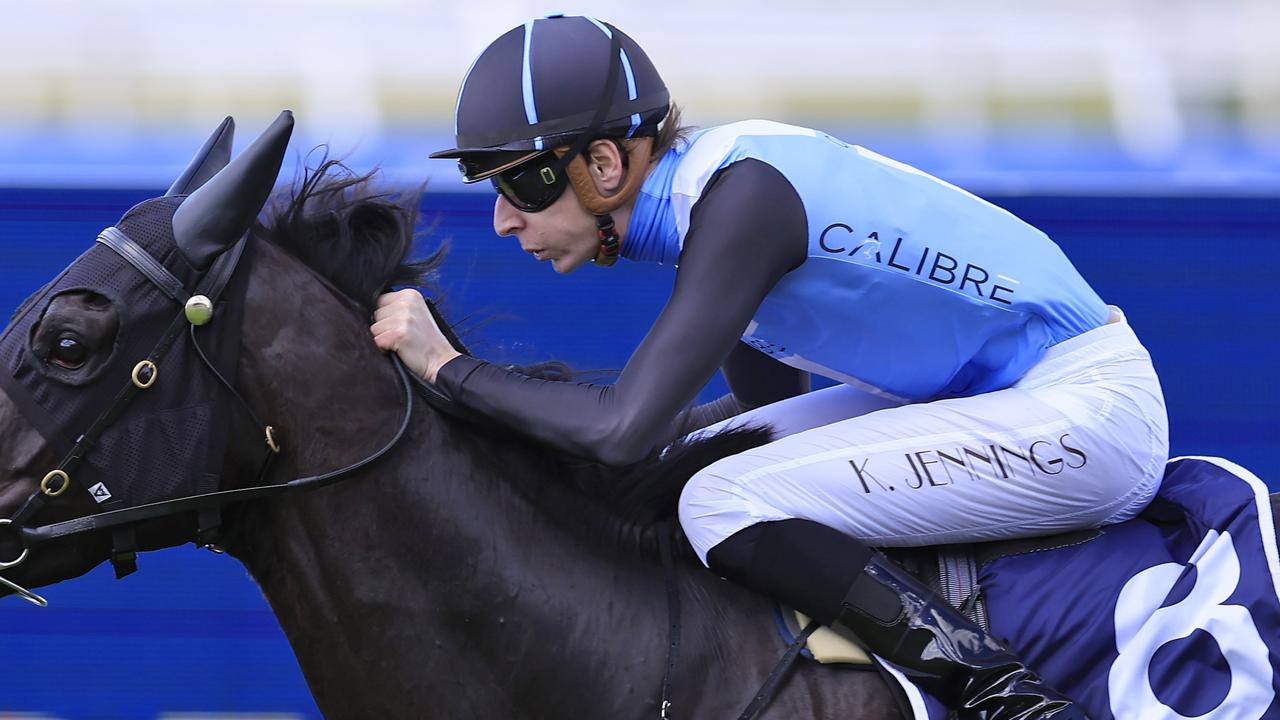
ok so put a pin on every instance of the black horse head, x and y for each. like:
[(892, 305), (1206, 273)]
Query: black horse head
[(102, 362)]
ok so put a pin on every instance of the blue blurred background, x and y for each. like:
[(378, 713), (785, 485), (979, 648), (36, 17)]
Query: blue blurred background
[(1143, 136)]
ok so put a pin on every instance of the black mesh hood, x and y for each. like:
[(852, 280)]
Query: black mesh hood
[(171, 439), (538, 86)]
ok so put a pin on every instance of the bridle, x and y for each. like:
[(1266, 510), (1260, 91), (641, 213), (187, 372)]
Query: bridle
[(207, 506)]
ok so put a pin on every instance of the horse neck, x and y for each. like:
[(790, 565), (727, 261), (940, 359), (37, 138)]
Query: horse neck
[(429, 575), (409, 582)]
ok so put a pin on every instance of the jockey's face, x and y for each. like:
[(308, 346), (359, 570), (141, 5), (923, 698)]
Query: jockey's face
[(563, 233)]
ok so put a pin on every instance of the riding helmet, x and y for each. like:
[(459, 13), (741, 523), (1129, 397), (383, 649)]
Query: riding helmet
[(540, 86)]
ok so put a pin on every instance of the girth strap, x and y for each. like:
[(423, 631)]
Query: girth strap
[(992, 551)]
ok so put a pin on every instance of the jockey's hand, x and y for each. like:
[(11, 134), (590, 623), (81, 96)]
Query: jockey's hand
[(402, 324)]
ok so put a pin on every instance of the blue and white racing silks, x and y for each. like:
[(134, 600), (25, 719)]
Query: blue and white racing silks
[(912, 288)]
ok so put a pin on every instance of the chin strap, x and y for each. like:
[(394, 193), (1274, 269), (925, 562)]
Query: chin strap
[(636, 153), (610, 243)]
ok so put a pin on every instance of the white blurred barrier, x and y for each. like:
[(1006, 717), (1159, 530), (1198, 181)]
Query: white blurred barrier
[(1151, 75)]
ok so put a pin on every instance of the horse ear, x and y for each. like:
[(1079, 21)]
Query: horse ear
[(216, 215), (213, 156)]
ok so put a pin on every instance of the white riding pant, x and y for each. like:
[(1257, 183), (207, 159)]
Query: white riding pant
[(1080, 441)]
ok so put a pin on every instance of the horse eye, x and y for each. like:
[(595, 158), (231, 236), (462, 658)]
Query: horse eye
[(69, 353)]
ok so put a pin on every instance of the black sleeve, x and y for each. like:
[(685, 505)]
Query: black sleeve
[(747, 231), (757, 379), (754, 378), (700, 416)]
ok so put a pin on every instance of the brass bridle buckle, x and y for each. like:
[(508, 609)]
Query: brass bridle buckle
[(144, 374)]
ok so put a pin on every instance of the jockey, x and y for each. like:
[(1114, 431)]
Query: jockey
[(984, 390)]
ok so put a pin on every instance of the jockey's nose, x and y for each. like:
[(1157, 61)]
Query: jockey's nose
[(506, 219)]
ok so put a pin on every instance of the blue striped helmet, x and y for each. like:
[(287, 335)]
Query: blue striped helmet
[(540, 85)]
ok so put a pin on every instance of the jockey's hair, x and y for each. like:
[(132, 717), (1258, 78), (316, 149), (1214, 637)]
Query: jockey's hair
[(671, 130)]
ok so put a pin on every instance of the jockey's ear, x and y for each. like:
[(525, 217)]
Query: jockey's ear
[(605, 165), (216, 215), (212, 157)]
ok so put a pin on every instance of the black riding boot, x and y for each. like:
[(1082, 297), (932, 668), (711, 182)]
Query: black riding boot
[(836, 579)]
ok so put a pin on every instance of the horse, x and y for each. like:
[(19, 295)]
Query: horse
[(420, 561), (465, 572)]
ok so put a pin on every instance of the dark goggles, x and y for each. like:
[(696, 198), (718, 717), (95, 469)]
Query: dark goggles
[(532, 186)]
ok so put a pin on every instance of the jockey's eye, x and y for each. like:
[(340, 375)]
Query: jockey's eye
[(69, 353)]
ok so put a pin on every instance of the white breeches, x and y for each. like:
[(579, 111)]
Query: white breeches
[(1080, 441)]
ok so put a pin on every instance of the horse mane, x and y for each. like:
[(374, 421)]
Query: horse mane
[(360, 240), (355, 236), (628, 508), (643, 497)]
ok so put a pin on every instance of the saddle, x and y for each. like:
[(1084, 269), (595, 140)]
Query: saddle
[(949, 570)]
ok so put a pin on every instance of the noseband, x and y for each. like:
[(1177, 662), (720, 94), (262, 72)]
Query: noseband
[(193, 314)]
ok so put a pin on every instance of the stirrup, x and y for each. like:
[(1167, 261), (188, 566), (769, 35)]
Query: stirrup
[(904, 622)]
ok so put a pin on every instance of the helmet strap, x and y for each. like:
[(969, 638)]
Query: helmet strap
[(572, 162), (602, 109), (638, 152), (610, 243)]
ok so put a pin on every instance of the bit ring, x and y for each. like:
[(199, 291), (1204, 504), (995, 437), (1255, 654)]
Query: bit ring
[(46, 485)]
